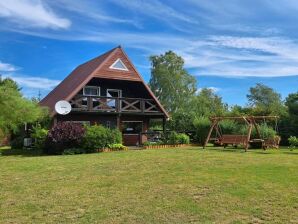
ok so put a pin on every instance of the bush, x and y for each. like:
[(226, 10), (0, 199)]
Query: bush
[(17, 142), (114, 136), (265, 132), (117, 147), (293, 141), (148, 143), (183, 138), (39, 135), (202, 126), (98, 137), (229, 127), (174, 138), (64, 135)]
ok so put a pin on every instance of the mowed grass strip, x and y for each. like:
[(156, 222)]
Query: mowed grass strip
[(181, 185)]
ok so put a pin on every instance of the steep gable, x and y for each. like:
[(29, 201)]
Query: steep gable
[(100, 67), (107, 72)]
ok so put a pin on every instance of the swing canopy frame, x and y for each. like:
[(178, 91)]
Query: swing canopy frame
[(244, 139)]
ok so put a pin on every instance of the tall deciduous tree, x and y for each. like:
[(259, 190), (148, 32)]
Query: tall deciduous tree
[(15, 109), (265, 101), (208, 103), (170, 82)]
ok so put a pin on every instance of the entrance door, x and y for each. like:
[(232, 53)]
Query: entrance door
[(117, 93), (132, 132)]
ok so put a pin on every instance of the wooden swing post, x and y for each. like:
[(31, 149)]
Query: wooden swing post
[(214, 123)]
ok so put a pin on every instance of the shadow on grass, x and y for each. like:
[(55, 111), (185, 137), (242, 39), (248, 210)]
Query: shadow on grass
[(20, 152)]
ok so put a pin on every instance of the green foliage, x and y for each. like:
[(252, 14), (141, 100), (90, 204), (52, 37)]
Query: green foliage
[(174, 138), (39, 135), (17, 142), (207, 103), (114, 136), (229, 127), (293, 141), (202, 126), (170, 82), (265, 101), (15, 109), (98, 137), (183, 138), (148, 143), (117, 147), (265, 131)]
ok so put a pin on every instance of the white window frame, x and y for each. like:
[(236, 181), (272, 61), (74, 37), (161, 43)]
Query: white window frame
[(92, 87), (118, 90), (119, 60)]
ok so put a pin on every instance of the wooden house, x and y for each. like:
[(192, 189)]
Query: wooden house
[(108, 90)]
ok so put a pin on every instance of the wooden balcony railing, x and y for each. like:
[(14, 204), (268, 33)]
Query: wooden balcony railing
[(113, 104)]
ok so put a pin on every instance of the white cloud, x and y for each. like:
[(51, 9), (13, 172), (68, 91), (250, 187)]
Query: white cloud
[(5, 67), (34, 82), (212, 88), (32, 13)]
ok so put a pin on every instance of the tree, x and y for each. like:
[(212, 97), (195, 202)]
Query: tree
[(15, 109), (292, 104), (207, 103), (289, 125), (170, 82), (265, 101)]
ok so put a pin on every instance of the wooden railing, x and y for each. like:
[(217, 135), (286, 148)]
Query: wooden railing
[(113, 104)]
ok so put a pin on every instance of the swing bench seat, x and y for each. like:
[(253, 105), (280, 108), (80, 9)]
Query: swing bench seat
[(233, 140)]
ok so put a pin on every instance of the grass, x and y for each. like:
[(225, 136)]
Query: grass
[(181, 185)]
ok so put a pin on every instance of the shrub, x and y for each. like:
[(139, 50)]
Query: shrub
[(17, 142), (202, 126), (148, 143), (183, 138), (265, 132), (114, 136), (293, 141), (117, 147), (64, 135), (229, 127), (95, 138), (39, 135), (172, 138), (98, 137)]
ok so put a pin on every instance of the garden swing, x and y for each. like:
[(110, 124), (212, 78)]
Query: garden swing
[(245, 138)]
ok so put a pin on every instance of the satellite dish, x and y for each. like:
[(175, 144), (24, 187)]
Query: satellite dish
[(63, 107)]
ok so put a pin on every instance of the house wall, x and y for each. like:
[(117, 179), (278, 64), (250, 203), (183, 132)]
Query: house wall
[(130, 89), (102, 119), (91, 118)]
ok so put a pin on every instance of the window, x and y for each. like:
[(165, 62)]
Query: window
[(118, 64), (91, 91)]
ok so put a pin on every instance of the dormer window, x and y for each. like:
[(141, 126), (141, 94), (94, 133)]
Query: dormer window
[(91, 91), (119, 65)]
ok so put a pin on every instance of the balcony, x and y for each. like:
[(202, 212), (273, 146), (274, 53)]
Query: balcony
[(114, 105)]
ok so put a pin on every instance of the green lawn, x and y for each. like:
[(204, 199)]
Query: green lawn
[(182, 185)]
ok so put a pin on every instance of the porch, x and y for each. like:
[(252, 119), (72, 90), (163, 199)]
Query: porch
[(81, 103)]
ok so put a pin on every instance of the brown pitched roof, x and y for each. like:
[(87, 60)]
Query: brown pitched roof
[(96, 67)]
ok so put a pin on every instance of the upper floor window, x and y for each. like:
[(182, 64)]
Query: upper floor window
[(119, 65), (91, 91)]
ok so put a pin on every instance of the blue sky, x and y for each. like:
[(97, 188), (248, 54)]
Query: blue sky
[(228, 46)]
